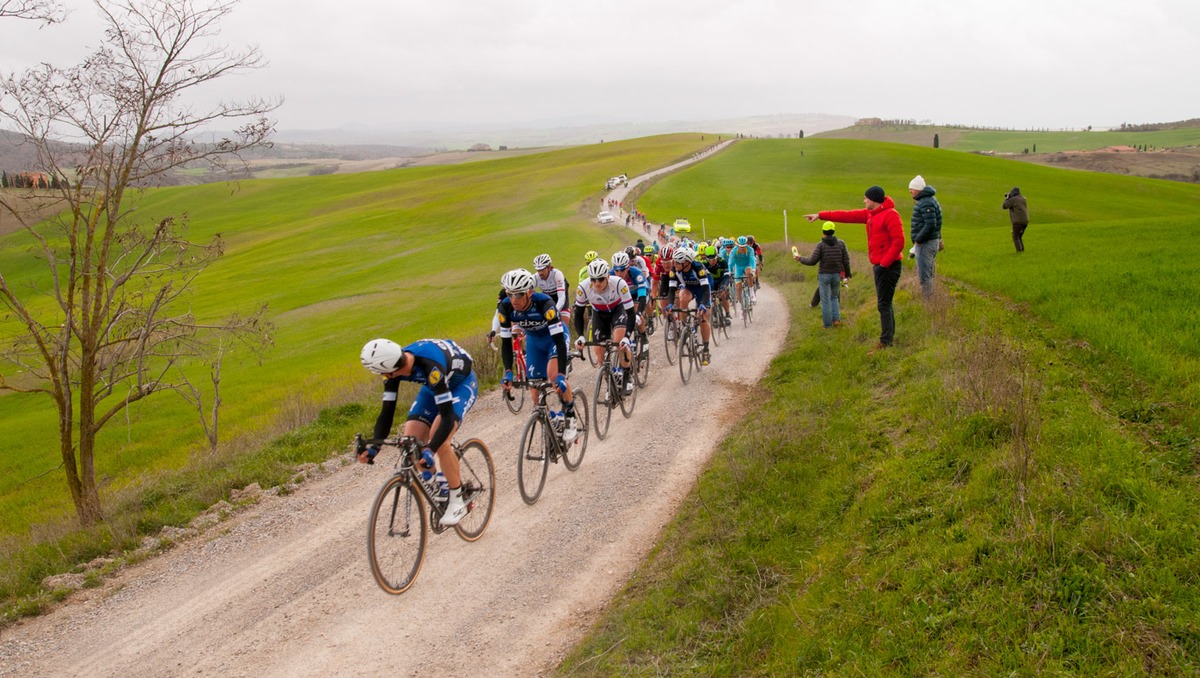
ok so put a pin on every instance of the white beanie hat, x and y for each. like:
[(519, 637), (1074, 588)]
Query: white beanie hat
[(917, 184)]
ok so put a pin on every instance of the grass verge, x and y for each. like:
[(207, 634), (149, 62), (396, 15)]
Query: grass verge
[(972, 501)]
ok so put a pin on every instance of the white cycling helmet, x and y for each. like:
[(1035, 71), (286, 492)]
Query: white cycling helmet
[(620, 260), (381, 355), (541, 261), (683, 255), (598, 269), (517, 280)]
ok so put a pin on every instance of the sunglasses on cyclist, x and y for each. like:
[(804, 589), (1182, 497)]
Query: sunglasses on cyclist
[(618, 269)]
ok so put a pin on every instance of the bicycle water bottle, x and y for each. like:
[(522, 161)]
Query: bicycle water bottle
[(443, 487), (557, 421)]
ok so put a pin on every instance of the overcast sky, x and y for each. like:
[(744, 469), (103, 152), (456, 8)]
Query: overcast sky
[(408, 64)]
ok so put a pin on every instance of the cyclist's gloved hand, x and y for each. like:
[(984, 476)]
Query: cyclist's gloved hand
[(367, 456), (670, 307), (560, 383), (507, 378), (580, 342), (625, 343), (427, 458), (701, 307), (491, 335)]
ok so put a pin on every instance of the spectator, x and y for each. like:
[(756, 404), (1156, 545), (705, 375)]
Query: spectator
[(885, 245), (1018, 214), (926, 230), (834, 264)]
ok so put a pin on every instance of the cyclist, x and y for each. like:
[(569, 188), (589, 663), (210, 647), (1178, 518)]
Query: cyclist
[(691, 282), (552, 283), (639, 285), (448, 390), (612, 313), (742, 263), (636, 259), (544, 329), (664, 273), (588, 258), (719, 270)]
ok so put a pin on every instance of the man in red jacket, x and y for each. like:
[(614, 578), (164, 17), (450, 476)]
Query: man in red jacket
[(885, 243)]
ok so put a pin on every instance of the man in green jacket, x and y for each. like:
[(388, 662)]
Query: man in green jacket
[(1018, 214)]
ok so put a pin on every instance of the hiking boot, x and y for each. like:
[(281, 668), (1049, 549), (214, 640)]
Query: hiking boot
[(456, 508)]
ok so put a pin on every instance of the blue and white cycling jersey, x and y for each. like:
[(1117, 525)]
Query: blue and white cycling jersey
[(448, 388), (639, 284)]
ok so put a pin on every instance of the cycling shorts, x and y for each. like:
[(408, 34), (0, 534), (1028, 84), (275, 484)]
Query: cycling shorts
[(424, 409), (603, 323), (539, 351)]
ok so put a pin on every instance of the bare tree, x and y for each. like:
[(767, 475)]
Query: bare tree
[(45, 11), (109, 323)]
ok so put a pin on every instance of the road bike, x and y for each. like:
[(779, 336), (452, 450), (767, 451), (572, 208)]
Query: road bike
[(641, 358), (744, 302), (542, 440), (690, 345), (720, 317), (407, 507), (514, 399), (671, 329), (609, 392)]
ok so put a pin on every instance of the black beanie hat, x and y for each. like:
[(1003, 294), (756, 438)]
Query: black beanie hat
[(875, 194)]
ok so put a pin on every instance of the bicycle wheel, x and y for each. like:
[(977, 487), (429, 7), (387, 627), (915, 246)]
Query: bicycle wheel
[(642, 373), (714, 321), (590, 352), (514, 399), (726, 322), (686, 356), (602, 401), (573, 454), (396, 535), (628, 401), (478, 487), (533, 457), (746, 305), (671, 337)]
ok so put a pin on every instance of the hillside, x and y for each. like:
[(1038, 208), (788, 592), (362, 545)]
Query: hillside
[(1168, 151), (1012, 489)]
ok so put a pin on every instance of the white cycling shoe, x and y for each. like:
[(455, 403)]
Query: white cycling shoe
[(456, 509), (571, 432)]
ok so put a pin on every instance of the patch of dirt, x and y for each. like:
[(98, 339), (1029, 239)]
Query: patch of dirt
[(1176, 164)]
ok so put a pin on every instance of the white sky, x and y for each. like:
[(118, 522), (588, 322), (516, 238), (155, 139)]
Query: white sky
[(403, 64)]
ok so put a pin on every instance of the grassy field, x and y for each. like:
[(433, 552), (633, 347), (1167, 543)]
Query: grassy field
[(968, 503), (1016, 141), (340, 259), (1107, 257), (1012, 489)]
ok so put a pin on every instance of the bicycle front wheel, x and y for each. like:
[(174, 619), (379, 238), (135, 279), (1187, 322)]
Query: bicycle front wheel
[(686, 356), (602, 400), (533, 458), (573, 454), (642, 373), (514, 398), (628, 401), (396, 535), (671, 339), (478, 488)]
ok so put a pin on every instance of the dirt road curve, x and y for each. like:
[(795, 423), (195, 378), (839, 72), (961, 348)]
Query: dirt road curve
[(283, 588)]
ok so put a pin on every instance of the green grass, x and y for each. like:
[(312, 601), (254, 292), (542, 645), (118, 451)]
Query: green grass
[(1017, 141), (874, 517), (1108, 258), (340, 259)]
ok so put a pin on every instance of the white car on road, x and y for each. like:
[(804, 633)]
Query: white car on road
[(605, 217)]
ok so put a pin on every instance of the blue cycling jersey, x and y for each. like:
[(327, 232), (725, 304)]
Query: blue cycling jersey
[(639, 284)]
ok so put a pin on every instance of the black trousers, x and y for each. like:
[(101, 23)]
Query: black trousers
[(1018, 234), (886, 279)]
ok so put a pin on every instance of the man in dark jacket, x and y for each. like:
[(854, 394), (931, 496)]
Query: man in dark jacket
[(834, 264), (1018, 214), (885, 245), (926, 230)]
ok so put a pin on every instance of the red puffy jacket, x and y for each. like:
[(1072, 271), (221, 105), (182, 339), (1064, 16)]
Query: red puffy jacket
[(885, 230)]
